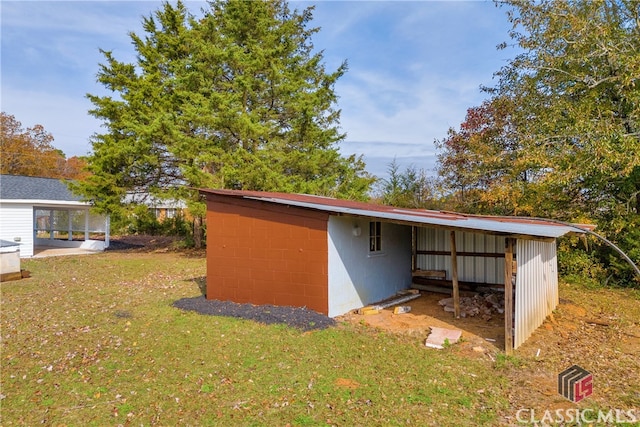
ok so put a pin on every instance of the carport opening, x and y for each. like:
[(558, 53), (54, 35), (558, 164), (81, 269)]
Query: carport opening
[(467, 275)]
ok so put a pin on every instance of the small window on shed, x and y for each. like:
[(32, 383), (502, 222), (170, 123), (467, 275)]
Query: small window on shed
[(375, 236)]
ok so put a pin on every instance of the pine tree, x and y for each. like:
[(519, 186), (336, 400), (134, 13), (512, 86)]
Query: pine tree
[(237, 98)]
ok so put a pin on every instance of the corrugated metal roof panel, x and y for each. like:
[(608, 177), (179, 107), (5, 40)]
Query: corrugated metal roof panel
[(487, 224)]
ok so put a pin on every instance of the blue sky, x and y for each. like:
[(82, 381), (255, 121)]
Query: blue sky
[(414, 67)]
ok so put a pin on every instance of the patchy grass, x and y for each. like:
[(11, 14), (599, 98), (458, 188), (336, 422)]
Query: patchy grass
[(94, 340)]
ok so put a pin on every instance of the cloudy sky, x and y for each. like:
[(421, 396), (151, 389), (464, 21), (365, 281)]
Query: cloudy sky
[(414, 67)]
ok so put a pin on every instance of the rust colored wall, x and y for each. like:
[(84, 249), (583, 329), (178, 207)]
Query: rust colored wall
[(261, 253)]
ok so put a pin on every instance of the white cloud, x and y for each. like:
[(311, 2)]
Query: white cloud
[(414, 67)]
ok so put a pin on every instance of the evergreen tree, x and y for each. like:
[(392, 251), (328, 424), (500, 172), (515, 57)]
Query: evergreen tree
[(237, 98)]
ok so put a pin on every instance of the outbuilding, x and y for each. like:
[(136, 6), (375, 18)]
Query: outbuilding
[(334, 256), (43, 212)]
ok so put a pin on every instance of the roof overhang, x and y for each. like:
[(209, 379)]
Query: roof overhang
[(46, 203), (529, 228), (468, 223)]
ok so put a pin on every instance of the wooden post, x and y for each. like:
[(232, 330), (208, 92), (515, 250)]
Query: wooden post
[(508, 297), (454, 276), (414, 248)]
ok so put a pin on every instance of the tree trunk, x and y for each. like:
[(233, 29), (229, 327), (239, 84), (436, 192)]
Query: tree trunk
[(197, 232)]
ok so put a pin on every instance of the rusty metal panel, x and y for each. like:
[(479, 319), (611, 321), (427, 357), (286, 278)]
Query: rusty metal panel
[(536, 294), (470, 269), (419, 217)]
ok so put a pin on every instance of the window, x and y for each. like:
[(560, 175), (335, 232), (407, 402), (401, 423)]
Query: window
[(375, 236)]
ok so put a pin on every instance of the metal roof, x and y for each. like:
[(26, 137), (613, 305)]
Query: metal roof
[(516, 226), (16, 187), (8, 244)]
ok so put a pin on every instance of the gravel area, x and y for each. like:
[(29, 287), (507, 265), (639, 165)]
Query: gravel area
[(300, 318)]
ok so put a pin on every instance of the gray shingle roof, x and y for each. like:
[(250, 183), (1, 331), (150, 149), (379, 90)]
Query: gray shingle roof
[(14, 187)]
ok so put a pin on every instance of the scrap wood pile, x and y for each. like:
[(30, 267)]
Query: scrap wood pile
[(477, 305)]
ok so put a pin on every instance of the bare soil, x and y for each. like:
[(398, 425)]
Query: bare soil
[(144, 243), (426, 313), (597, 329)]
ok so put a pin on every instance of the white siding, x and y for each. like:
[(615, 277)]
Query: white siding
[(16, 222), (536, 293), (470, 269), (357, 277)]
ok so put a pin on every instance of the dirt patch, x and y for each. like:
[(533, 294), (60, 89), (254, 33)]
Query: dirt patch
[(347, 383), (597, 330), (426, 312), (145, 243)]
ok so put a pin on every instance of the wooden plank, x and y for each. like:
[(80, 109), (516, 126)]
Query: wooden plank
[(454, 276), (448, 284), (6, 277), (434, 274), (473, 254), (508, 297)]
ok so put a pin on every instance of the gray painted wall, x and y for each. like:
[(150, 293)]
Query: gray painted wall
[(358, 277)]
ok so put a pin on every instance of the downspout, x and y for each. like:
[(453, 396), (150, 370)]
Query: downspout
[(617, 249), (587, 231)]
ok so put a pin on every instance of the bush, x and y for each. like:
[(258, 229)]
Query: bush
[(592, 261), (579, 264), (142, 220)]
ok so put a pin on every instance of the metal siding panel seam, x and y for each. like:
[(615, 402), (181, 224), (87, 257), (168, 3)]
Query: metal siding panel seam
[(536, 287)]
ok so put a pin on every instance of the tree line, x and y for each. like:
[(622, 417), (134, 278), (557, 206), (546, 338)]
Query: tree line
[(30, 152), (238, 97), (559, 135)]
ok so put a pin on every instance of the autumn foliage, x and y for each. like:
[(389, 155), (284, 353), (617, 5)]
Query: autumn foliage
[(30, 152), (559, 136)]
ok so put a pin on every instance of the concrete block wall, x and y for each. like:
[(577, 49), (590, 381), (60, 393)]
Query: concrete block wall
[(262, 253)]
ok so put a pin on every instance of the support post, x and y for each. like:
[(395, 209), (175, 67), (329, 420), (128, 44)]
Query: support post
[(107, 230), (70, 225), (454, 276), (51, 224), (414, 248), (508, 296), (86, 225)]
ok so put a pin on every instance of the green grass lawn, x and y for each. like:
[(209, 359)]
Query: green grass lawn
[(94, 340)]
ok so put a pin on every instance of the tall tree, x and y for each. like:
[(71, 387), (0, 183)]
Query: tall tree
[(573, 110), (577, 97), (30, 152), (235, 99), (411, 188)]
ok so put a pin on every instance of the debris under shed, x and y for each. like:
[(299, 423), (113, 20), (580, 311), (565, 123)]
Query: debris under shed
[(477, 305)]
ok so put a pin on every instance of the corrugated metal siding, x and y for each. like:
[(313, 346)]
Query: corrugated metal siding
[(471, 269), (536, 293), (16, 221)]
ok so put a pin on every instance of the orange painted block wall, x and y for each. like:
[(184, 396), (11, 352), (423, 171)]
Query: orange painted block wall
[(266, 254)]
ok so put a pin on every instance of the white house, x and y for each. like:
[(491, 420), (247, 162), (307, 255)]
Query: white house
[(42, 212)]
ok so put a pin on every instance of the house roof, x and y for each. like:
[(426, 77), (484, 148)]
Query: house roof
[(516, 226), (29, 188)]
